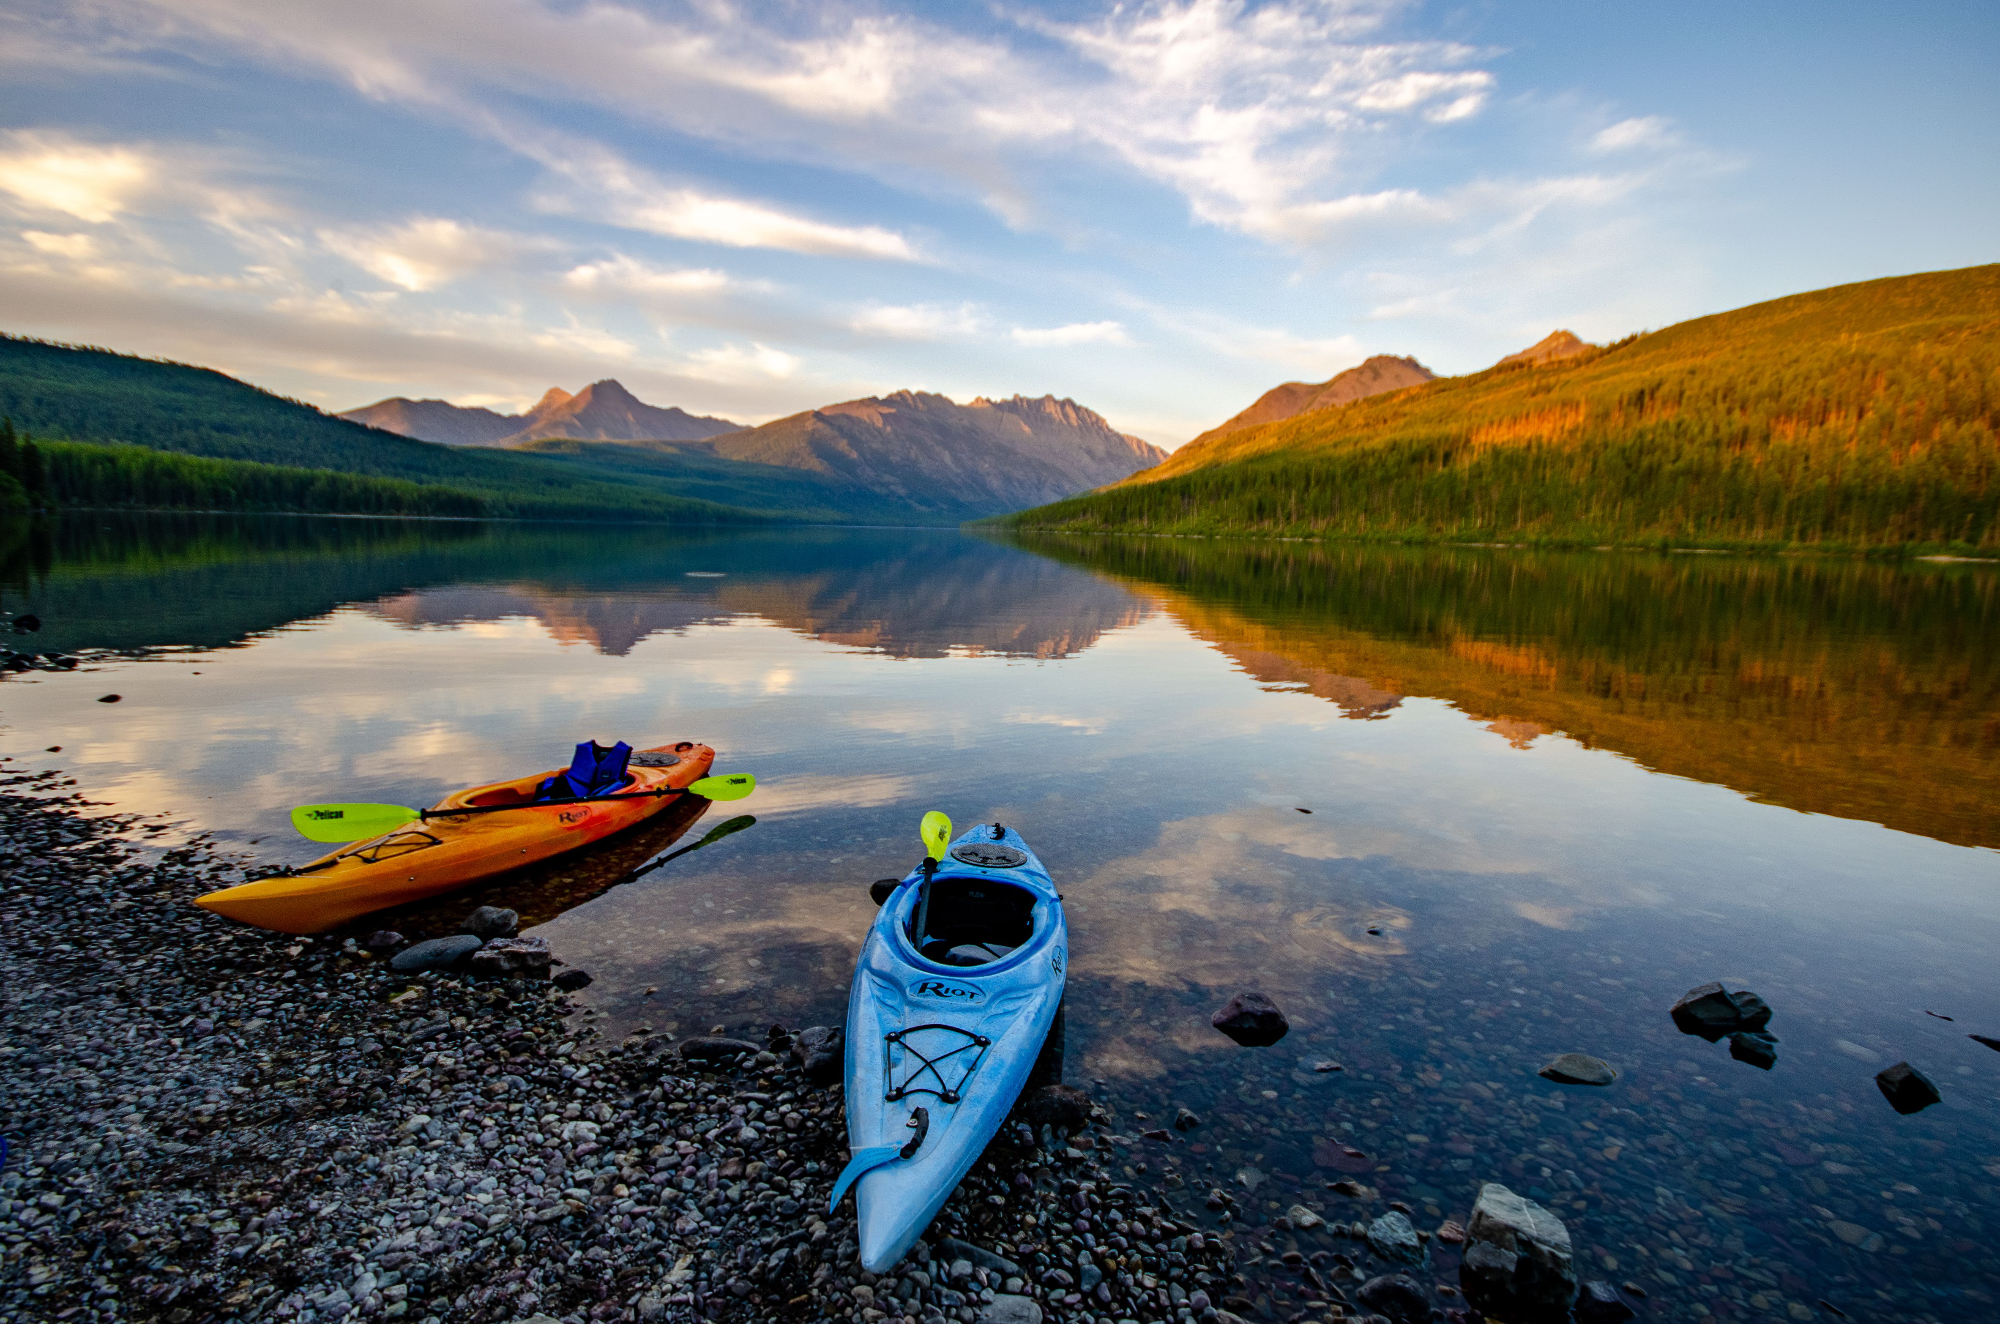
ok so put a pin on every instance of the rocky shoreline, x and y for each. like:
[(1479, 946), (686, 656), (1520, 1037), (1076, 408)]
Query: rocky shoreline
[(208, 1121), (211, 1122)]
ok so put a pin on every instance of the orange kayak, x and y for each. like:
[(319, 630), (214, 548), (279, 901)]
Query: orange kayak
[(443, 854)]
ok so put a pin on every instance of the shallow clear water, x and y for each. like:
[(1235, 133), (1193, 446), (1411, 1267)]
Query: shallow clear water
[(1547, 794)]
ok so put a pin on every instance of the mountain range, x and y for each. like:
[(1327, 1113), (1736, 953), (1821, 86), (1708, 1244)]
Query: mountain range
[(1372, 376), (601, 411), (1834, 419)]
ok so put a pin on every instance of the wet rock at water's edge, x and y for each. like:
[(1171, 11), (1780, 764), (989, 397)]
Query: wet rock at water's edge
[(383, 940), (569, 981), (436, 954), (1907, 1089), (1599, 1303), (1578, 1069), (715, 1048), (1251, 1019), (1396, 1296), (1712, 1012), (489, 922), (1517, 1259), (521, 958), (819, 1049), (1394, 1237), (1757, 1047), (1057, 1105)]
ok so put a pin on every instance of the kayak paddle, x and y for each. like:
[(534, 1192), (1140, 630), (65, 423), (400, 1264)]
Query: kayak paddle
[(715, 834), (936, 833), (356, 822)]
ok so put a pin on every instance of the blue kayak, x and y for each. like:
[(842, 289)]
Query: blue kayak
[(956, 987)]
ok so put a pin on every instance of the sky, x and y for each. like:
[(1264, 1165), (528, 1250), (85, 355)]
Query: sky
[(1158, 208)]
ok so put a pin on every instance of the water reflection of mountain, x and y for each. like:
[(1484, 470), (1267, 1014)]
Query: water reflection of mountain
[(132, 584), (1854, 688)]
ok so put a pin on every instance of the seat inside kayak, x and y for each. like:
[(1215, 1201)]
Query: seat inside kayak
[(972, 921)]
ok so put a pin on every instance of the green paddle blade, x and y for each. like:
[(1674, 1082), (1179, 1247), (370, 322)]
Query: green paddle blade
[(349, 822), (936, 832), (734, 786)]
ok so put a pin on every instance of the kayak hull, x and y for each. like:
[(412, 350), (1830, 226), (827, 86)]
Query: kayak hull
[(957, 1042), (435, 856)]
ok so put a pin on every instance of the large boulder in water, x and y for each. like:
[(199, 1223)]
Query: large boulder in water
[(1907, 1089), (1712, 1012), (1517, 1262), (1251, 1019), (437, 954)]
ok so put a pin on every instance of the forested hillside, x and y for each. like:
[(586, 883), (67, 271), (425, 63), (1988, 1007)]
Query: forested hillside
[(142, 418), (1862, 416)]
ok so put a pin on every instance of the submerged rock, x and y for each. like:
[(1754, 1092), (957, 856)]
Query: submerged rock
[(1907, 1089), (569, 981), (715, 1048), (1394, 1237), (1251, 1019), (1397, 1296), (1599, 1303), (436, 954), (1186, 1119), (489, 922), (1517, 1259), (516, 957), (1579, 1069), (1057, 1105), (1757, 1047)]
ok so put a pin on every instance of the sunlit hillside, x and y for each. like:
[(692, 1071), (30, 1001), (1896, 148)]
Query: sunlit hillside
[(1860, 416)]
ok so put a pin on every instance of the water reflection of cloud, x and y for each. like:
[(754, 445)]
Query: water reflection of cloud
[(795, 794)]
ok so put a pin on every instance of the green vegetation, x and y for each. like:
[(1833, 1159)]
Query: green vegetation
[(1861, 417), (259, 451), (695, 470)]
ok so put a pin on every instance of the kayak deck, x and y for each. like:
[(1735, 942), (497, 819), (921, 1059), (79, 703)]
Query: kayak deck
[(439, 855)]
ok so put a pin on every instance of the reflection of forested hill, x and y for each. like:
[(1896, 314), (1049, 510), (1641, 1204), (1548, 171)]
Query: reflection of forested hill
[(1842, 687), (134, 583)]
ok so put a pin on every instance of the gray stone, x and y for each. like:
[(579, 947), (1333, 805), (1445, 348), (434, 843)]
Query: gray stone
[(1394, 1237), (1578, 1069), (714, 1048), (1517, 1259), (1397, 1296), (1707, 1011), (569, 981), (818, 1049), (489, 922), (512, 958), (979, 1255), (1184, 1120), (1907, 1089), (437, 954), (1008, 1309), (382, 940), (1251, 1019)]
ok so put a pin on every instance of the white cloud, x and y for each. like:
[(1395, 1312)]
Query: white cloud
[(1076, 333), (919, 321), (427, 252), (625, 276), (1466, 90), (741, 363), (50, 172), (1645, 131), (77, 246)]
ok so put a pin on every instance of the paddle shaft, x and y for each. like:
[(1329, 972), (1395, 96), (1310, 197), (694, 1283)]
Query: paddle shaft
[(709, 840)]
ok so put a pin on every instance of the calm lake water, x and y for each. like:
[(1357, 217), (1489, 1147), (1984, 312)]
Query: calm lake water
[(1547, 793)]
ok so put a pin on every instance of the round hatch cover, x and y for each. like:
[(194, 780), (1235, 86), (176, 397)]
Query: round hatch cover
[(987, 855), (654, 758)]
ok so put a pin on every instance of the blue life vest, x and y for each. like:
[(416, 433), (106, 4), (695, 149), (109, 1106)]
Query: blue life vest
[(594, 771)]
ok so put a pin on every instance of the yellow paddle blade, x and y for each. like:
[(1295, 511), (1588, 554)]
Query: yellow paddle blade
[(349, 822), (734, 786), (936, 832)]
